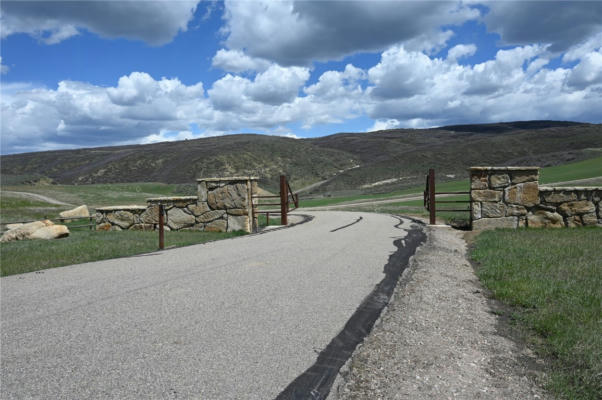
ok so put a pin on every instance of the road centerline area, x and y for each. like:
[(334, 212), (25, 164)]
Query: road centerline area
[(240, 318)]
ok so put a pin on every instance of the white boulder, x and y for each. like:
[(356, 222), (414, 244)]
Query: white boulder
[(81, 211), (50, 232), (24, 231)]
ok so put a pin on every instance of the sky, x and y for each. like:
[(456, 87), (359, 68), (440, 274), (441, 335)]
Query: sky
[(98, 73)]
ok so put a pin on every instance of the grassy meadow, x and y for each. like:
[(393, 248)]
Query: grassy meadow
[(586, 169), (16, 208), (552, 280), (84, 245)]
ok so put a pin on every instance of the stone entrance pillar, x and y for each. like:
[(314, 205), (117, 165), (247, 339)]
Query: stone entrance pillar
[(229, 201)]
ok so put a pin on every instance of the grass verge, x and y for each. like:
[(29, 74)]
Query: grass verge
[(85, 246), (552, 280)]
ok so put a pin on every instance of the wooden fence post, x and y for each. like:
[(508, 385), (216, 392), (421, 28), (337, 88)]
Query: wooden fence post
[(432, 196), (283, 201), (161, 230)]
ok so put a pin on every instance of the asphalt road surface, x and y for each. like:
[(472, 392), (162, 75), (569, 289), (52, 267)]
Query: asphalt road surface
[(264, 316)]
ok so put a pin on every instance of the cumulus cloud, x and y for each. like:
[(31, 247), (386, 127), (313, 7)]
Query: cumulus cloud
[(461, 50), (153, 21), (275, 86), (140, 108), (278, 85), (512, 86), (589, 45), (404, 89), (299, 32), (562, 24), (588, 72), (237, 61)]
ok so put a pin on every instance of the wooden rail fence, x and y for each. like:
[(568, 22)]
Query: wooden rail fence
[(430, 201), (61, 220), (286, 197)]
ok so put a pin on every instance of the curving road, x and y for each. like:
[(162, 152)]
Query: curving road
[(256, 317)]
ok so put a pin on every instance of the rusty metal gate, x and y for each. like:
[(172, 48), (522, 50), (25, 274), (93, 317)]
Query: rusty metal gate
[(286, 197), (430, 200)]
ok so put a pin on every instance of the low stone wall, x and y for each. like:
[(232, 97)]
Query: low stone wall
[(119, 218), (510, 197), (576, 206), (222, 205)]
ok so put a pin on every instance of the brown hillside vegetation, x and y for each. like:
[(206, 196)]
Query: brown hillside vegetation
[(399, 157)]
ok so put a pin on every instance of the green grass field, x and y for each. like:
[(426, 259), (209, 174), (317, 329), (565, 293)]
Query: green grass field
[(586, 169), (552, 280), (15, 208), (98, 195), (84, 246)]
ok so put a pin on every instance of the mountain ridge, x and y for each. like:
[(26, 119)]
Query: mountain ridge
[(348, 161)]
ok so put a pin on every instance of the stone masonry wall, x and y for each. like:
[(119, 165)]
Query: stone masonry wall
[(222, 205), (510, 197)]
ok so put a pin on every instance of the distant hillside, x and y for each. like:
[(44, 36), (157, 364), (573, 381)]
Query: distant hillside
[(373, 161), (406, 154), (185, 161)]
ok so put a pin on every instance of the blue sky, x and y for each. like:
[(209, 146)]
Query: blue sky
[(94, 73)]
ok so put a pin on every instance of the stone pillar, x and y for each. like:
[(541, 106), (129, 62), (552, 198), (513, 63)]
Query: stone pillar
[(501, 196), (227, 203)]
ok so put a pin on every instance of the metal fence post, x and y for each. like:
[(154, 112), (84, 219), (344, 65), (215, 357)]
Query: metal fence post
[(161, 230), (432, 196), (283, 201)]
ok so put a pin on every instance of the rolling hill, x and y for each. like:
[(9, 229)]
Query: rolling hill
[(346, 162)]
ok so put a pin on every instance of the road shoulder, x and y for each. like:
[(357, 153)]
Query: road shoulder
[(440, 337)]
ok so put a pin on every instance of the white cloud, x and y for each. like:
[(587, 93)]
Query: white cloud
[(275, 86), (406, 88), (228, 93), (140, 87), (153, 21), (461, 50), (236, 61), (278, 85), (419, 91), (383, 124), (591, 44), (588, 72), (3, 68), (169, 136), (299, 32), (337, 85)]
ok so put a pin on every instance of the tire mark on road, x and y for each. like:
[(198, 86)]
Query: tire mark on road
[(348, 225), (315, 383)]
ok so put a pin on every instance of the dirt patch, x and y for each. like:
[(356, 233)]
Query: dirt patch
[(441, 337)]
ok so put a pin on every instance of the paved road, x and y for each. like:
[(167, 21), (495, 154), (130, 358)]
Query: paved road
[(241, 318)]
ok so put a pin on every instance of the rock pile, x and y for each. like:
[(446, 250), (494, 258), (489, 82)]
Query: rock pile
[(35, 230)]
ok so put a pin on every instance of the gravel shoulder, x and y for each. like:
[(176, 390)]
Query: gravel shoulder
[(440, 337)]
